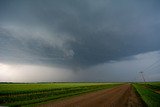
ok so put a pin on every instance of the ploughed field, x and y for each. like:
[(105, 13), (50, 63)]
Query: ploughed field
[(80, 94)]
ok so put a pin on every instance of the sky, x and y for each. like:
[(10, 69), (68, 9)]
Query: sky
[(79, 40)]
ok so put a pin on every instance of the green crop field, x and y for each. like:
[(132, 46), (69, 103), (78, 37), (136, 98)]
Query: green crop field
[(148, 94), (154, 86), (12, 94)]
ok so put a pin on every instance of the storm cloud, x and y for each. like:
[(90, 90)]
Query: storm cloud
[(79, 36)]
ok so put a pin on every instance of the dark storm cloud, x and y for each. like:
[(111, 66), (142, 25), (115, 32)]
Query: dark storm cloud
[(75, 32)]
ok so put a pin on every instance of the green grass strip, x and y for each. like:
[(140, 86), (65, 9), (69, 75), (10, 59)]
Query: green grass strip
[(151, 98)]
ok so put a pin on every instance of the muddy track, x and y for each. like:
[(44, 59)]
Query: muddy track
[(121, 96), (158, 92)]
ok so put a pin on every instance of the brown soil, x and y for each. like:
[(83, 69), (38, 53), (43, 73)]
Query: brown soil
[(158, 91), (121, 96)]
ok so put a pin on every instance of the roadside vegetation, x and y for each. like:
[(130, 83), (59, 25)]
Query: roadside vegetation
[(30, 94), (148, 94), (154, 86)]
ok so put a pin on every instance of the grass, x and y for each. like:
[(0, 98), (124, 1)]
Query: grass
[(151, 98), (25, 94), (154, 86)]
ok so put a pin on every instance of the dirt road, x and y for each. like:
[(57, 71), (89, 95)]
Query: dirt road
[(121, 96), (158, 91)]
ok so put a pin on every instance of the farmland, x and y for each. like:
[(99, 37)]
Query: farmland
[(29, 94), (119, 96), (59, 94)]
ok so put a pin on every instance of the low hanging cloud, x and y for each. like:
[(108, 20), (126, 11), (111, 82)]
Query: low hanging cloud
[(33, 44), (126, 69), (123, 70), (79, 35)]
